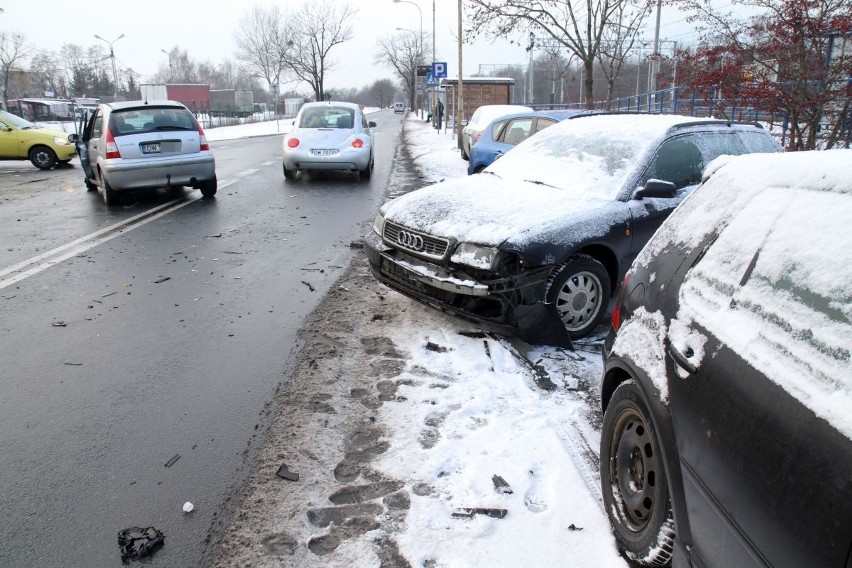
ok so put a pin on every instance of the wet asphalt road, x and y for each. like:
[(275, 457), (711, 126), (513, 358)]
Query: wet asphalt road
[(122, 349)]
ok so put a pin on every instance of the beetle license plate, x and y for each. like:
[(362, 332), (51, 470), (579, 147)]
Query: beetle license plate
[(324, 151), (151, 148)]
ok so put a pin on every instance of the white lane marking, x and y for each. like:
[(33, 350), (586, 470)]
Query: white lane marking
[(90, 241), (64, 252), (247, 172), (270, 163)]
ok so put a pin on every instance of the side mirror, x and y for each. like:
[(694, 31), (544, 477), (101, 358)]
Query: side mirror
[(372, 124), (73, 138), (657, 188)]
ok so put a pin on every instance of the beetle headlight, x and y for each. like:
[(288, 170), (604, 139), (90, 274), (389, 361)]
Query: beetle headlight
[(379, 224), (60, 141), (484, 258)]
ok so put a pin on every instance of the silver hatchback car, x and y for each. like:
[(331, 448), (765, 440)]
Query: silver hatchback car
[(134, 145), (329, 136)]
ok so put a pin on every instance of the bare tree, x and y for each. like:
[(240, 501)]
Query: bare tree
[(263, 38), (12, 50), (47, 66), (620, 35), (402, 52), (317, 27), (579, 25)]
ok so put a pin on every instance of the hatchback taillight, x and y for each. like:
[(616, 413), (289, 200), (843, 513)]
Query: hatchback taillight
[(202, 137), (111, 146), (357, 143), (292, 142), (616, 311)]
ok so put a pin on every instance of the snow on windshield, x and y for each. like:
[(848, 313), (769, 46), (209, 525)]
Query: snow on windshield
[(777, 282), (590, 155)]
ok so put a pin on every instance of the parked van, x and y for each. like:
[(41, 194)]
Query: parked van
[(398, 107)]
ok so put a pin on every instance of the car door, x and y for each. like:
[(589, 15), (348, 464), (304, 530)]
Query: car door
[(82, 144), (9, 146), (677, 160), (95, 142), (767, 480)]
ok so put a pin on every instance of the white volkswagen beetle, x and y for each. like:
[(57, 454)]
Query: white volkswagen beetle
[(329, 136)]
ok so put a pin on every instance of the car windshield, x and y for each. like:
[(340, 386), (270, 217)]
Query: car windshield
[(590, 156), (17, 120)]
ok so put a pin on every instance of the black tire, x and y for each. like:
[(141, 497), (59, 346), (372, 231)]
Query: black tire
[(579, 291), (288, 174), (478, 169), (42, 157), (367, 172), (633, 480), (111, 197), (208, 188), (464, 156)]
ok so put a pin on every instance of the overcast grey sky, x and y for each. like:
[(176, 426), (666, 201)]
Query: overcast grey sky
[(205, 30)]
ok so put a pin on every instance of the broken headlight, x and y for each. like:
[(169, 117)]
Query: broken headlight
[(379, 224), (475, 256)]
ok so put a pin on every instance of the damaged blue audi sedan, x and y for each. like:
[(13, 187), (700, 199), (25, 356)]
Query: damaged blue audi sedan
[(535, 245)]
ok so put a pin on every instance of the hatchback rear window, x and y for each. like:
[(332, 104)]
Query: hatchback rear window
[(150, 119)]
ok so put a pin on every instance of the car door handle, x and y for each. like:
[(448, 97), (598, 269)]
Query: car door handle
[(681, 360)]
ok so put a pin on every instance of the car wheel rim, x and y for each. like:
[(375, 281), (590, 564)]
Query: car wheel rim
[(634, 469), (579, 300), (42, 158)]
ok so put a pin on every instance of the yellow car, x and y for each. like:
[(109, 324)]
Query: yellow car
[(23, 140)]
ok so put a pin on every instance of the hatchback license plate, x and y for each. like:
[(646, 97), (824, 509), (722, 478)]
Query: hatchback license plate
[(152, 148), (324, 151)]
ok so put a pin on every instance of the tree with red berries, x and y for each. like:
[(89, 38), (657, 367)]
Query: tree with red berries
[(794, 57)]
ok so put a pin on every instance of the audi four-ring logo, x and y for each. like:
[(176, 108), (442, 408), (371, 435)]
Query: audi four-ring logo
[(410, 240)]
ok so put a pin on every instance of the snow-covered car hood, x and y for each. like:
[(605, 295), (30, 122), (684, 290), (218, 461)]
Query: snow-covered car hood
[(487, 210)]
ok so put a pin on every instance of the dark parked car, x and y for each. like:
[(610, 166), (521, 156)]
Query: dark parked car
[(506, 132), (536, 243), (727, 387)]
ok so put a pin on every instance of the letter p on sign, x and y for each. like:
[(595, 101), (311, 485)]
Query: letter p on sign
[(439, 69)]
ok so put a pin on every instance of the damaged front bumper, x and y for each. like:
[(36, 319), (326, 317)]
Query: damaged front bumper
[(513, 306)]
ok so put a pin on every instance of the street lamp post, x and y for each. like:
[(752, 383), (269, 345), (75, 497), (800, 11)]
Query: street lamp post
[(171, 71), (420, 44), (112, 56)]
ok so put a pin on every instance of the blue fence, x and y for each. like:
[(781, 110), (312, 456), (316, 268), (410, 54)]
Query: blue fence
[(689, 103)]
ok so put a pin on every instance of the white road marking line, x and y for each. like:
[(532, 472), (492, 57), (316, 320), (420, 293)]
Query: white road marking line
[(64, 252)]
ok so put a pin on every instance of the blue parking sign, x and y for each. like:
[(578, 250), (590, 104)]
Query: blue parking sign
[(439, 69)]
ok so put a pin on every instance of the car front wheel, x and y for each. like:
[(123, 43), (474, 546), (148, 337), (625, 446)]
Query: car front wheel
[(633, 480), (43, 157), (579, 291)]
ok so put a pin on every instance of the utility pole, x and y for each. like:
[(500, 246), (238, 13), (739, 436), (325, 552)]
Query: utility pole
[(531, 95), (656, 56), (460, 95)]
